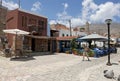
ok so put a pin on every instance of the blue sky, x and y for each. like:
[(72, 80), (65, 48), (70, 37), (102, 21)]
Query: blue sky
[(78, 11)]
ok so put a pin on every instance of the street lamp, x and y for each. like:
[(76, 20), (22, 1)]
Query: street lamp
[(108, 22)]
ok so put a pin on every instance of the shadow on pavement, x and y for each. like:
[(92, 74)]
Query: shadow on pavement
[(41, 53), (22, 58), (115, 64)]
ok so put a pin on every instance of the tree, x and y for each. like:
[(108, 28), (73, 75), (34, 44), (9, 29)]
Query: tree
[(73, 44)]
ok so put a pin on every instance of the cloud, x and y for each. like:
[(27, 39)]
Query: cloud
[(98, 13), (92, 12), (36, 6), (9, 4), (64, 15), (88, 8), (107, 10), (77, 22), (65, 5), (52, 22)]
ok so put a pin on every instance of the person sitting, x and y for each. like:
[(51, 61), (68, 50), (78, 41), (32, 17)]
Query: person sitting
[(7, 50)]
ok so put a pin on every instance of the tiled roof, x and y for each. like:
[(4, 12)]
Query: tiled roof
[(40, 37), (58, 27)]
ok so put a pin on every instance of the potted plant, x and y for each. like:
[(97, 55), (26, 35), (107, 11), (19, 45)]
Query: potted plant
[(75, 51), (73, 46), (91, 53), (67, 52)]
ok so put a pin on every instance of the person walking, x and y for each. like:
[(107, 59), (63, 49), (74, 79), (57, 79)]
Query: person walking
[(85, 52)]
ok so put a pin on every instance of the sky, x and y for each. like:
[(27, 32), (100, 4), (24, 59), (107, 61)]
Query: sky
[(78, 11)]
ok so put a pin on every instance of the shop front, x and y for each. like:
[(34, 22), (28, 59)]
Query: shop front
[(39, 43)]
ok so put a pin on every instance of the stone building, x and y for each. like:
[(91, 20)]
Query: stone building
[(36, 24), (3, 12)]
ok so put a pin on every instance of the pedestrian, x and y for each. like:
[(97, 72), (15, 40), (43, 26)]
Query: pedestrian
[(85, 52)]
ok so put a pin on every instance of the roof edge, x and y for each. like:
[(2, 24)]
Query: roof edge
[(26, 11)]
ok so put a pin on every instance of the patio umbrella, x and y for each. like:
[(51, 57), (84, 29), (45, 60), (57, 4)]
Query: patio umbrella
[(16, 32), (95, 37)]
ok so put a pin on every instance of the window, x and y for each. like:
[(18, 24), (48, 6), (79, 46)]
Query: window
[(67, 44), (25, 24), (63, 35), (24, 21), (41, 25)]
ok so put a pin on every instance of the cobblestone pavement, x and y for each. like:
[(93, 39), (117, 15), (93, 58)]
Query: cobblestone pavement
[(58, 67)]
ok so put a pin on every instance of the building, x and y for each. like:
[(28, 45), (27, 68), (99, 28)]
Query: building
[(3, 13), (36, 24), (27, 21), (59, 30), (62, 34)]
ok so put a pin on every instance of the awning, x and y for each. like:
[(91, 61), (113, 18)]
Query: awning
[(94, 37)]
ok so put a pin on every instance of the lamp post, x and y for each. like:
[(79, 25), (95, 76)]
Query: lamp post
[(108, 22)]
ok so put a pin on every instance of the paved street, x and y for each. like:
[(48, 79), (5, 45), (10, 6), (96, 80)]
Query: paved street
[(57, 67)]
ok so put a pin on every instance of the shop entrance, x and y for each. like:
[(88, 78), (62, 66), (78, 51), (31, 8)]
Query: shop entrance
[(33, 44)]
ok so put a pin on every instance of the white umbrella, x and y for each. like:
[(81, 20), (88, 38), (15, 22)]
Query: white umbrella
[(94, 37), (15, 31)]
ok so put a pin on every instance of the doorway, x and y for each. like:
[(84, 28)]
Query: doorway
[(33, 44)]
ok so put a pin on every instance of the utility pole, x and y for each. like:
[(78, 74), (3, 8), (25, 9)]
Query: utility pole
[(70, 27), (18, 3), (0, 10), (87, 28), (119, 34), (0, 2)]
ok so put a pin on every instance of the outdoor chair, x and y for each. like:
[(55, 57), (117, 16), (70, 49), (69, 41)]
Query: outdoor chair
[(113, 50), (8, 52), (98, 52)]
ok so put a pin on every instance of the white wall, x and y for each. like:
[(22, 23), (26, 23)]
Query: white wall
[(67, 32), (48, 30)]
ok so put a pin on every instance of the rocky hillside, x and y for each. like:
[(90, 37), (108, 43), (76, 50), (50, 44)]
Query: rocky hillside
[(102, 28)]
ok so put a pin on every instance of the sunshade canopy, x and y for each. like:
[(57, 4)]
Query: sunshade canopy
[(15, 31), (94, 37)]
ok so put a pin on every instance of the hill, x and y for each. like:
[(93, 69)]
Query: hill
[(102, 28)]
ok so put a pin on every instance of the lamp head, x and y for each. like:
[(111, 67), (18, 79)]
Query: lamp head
[(108, 21)]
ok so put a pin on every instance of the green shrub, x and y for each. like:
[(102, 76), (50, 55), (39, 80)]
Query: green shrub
[(73, 44), (67, 52), (80, 52), (91, 53)]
